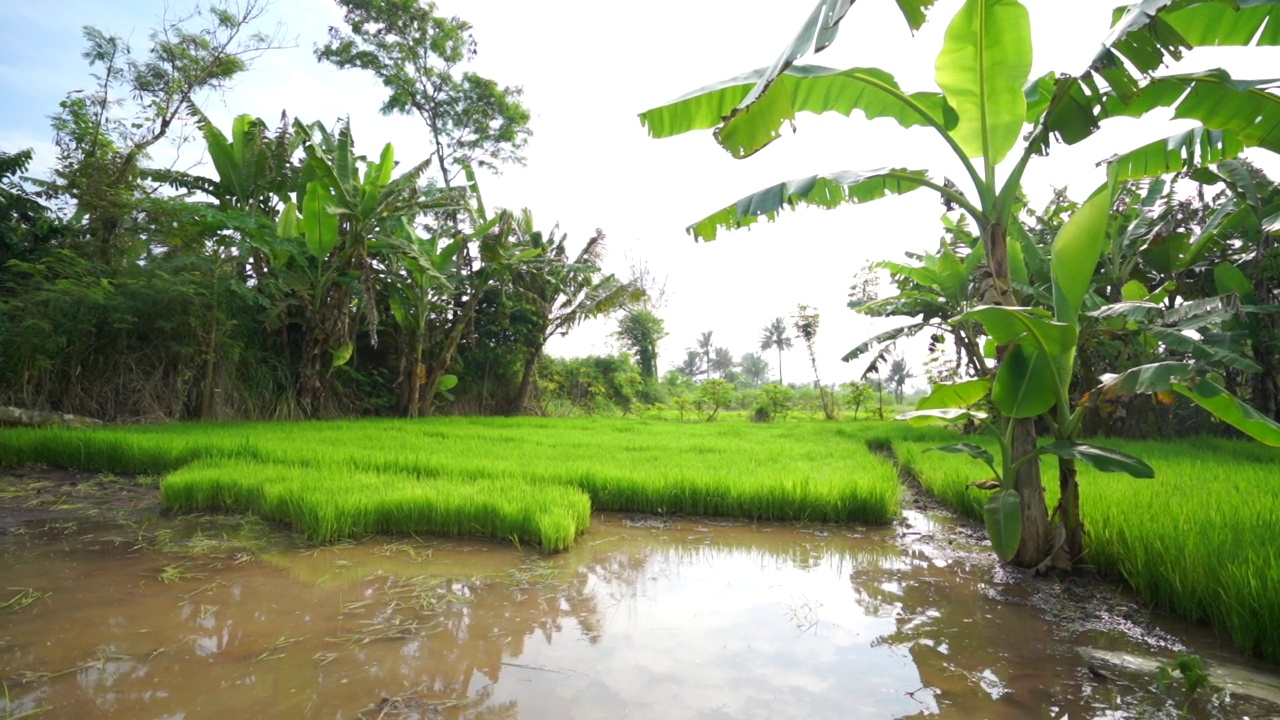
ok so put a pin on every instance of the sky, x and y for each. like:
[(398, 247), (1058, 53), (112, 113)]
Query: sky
[(587, 70)]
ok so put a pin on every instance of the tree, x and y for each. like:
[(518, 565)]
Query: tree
[(806, 326), (755, 369), (722, 362), (775, 336), (562, 291), (691, 366), (640, 331), (707, 351), (898, 376), (418, 54), (713, 396), (856, 394), (984, 102), (100, 147)]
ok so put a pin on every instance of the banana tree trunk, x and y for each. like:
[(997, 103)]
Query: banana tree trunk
[(527, 380), (1036, 538), (445, 358), (1069, 510)]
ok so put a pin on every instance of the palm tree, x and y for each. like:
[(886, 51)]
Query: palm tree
[(721, 362), (775, 336), (705, 350), (755, 369), (692, 365), (898, 376)]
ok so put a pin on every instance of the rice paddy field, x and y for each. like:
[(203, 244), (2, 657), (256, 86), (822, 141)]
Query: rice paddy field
[(1199, 540), (527, 480)]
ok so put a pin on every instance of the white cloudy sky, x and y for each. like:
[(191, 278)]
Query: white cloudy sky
[(587, 69)]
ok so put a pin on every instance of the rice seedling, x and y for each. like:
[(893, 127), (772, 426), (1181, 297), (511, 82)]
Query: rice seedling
[(25, 597), (524, 480), (1198, 540)]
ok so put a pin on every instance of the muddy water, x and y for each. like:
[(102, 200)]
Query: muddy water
[(207, 618)]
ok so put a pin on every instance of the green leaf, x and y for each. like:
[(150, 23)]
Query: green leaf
[(1150, 33), (1026, 383), (287, 225), (940, 416), (984, 63), (1076, 251), (1155, 377), (1038, 93), (1131, 311), (1197, 147), (824, 191), (957, 394), (1101, 458), (342, 354), (1228, 278), (1134, 291), (1009, 325), (447, 382), (1176, 342), (887, 336), (1231, 410), (1003, 518), (747, 125), (973, 450), (319, 225)]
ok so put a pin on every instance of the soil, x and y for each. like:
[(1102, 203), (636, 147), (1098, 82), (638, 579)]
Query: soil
[(43, 494)]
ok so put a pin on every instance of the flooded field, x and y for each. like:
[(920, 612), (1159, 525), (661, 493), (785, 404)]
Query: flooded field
[(131, 616)]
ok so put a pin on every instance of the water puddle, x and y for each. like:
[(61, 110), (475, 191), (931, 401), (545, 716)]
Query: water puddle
[(645, 618)]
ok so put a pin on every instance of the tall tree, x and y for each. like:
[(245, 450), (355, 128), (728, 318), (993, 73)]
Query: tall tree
[(563, 291), (806, 325), (418, 54), (755, 369), (898, 376), (640, 330), (706, 349), (722, 362), (775, 336), (137, 100)]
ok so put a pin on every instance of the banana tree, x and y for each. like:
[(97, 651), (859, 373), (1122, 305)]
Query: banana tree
[(985, 103), (562, 292), (348, 204)]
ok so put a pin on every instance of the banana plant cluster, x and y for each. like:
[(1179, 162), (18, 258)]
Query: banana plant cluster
[(985, 109)]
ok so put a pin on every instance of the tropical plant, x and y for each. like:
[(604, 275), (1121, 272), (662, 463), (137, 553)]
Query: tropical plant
[(805, 323), (773, 402), (981, 113), (713, 396), (640, 330), (774, 336), (898, 376), (856, 395), (692, 365), (755, 369), (562, 291), (722, 362)]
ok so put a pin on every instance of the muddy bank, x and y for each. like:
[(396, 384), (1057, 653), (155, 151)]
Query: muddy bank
[(40, 495)]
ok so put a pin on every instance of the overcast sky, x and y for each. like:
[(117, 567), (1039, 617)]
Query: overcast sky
[(587, 69)]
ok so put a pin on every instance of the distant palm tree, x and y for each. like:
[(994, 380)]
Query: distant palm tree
[(722, 362), (692, 365), (898, 376), (775, 336), (705, 349), (754, 368)]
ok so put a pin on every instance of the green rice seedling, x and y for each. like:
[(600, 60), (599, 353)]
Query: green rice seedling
[(25, 597), (1198, 540)]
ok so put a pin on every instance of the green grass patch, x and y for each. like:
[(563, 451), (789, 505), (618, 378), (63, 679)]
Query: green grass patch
[(528, 480), (1199, 540)]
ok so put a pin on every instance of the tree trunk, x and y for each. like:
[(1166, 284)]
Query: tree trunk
[(526, 381), (445, 359), (1036, 538), (1069, 509)]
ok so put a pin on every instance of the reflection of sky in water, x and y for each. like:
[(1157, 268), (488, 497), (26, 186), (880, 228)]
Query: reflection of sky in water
[(683, 622), (728, 634)]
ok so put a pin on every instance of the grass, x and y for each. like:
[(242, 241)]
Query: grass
[(1199, 540), (527, 480)]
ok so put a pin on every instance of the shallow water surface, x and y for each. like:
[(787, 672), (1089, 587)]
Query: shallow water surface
[(643, 619)]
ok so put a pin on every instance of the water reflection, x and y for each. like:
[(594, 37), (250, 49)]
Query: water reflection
[(691, 620)]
